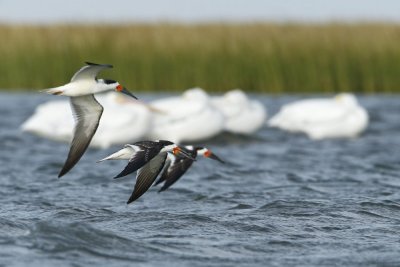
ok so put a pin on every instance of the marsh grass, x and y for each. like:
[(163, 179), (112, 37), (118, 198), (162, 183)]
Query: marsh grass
[(267, 58)]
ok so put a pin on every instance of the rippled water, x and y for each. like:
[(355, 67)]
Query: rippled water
[(281, 200)]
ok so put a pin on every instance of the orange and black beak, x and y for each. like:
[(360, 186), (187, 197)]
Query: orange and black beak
[(123, 90), (209, 154)]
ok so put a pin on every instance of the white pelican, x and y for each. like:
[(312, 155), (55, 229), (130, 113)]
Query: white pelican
[(242, 115), (186, 118), (339, 117)]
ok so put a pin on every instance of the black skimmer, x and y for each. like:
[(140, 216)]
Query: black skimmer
[(87, 111), (148, 158), (177, 165)]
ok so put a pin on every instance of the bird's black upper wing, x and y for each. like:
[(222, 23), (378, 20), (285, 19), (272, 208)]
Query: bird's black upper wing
[(140, 158), (146, 176), (168, 162), (175, 171)]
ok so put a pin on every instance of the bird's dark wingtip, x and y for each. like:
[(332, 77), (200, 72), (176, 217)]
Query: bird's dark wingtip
[(118, 176), (62, 172), (95, 64), (130, 201), (91, 63)]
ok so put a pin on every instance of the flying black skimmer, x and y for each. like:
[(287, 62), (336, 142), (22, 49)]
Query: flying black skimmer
[(87, 111), (177, 165), (148, 158)]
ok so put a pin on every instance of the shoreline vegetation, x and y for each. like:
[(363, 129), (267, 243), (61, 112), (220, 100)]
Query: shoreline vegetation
[(259, 57)]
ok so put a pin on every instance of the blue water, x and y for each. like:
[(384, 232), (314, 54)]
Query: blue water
[(281, 200)]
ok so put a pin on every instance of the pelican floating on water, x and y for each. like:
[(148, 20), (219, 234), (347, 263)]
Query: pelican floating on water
[(242, 115), (187, 118), (338, 117)]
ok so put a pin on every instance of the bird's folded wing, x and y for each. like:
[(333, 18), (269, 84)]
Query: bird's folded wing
[(146, 176), (87, 112), (140, 158), (170, 160), (175, 171)]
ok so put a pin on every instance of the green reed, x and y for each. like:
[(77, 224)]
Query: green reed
[(270, 58)]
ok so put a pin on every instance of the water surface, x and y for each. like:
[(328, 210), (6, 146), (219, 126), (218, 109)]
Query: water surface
[(281, 200)]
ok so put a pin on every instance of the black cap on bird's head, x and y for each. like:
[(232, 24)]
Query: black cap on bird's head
[(165, 142), (109, 81)]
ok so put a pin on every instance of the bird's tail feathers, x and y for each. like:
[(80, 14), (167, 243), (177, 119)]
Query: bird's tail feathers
[(53, 91), (124, 153)]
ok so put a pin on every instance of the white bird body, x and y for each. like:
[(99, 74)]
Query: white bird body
[(186, 118), (242, 115), (77, 88), (340, 117), (84, 82)]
